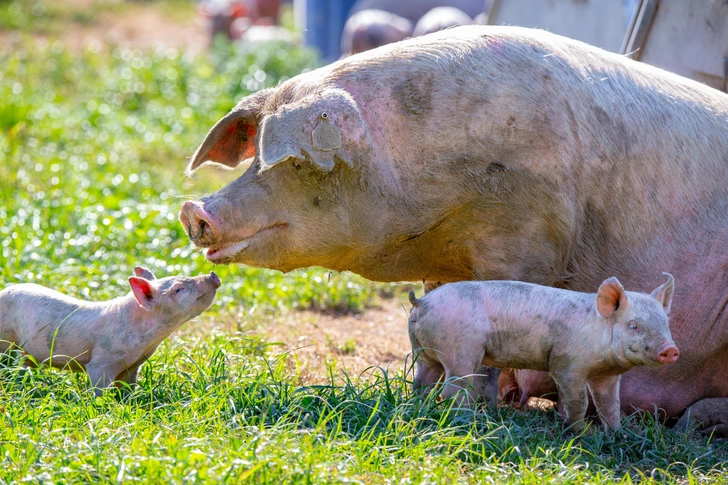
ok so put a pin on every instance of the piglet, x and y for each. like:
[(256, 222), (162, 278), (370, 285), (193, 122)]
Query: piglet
[(582, 339), (108, 340)]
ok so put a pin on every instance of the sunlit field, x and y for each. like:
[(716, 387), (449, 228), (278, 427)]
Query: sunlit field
[(93, 145)]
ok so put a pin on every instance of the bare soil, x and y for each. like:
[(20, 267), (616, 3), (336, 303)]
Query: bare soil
[(319, 342), (125, 23)]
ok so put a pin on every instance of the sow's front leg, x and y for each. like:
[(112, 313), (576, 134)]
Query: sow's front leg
[(711, 416)]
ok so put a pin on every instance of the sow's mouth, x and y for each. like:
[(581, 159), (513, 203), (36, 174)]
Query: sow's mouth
[(228, 252)]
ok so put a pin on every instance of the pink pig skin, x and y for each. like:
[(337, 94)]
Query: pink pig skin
[(109, 340), (583, 340)]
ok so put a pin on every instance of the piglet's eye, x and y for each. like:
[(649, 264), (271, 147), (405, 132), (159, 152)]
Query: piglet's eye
[(633, 326), (178, 290)]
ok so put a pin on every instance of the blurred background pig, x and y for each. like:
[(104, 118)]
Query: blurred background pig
[(369, 29), (440, 18), (231, 18)]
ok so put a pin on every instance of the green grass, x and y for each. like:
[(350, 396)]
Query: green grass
[(92, 149)]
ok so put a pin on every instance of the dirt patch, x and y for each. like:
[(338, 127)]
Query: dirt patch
[(322, 342), (355, 343)]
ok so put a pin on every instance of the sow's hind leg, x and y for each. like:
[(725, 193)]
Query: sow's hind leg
[(710, 415)]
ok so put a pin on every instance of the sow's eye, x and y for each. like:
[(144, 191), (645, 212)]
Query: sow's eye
[(633, 326)]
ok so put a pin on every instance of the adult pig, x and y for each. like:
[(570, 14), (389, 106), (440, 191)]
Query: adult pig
[(490, 153), (441, 18), (416, 10), (108, 340), (370, 29), (583, 340)]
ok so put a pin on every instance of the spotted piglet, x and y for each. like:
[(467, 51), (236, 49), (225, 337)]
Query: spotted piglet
[(582, 339), (108, 340)]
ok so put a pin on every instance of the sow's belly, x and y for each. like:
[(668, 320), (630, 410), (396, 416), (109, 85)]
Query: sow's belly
[(509, 349)]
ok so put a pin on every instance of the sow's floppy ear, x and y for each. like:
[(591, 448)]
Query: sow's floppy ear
[(321, 128), (232, 139), (611, 297), (663, 293)]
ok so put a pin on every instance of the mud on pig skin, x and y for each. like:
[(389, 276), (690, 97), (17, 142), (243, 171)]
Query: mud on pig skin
[(583, 340), (490, 153), (108, 340)]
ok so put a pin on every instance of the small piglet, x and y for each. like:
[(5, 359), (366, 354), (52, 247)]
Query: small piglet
[(581, 339), (109, 340)]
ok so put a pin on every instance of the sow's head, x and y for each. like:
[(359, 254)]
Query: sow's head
[(303, 199)]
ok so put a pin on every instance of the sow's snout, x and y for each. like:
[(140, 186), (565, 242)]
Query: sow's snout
[(201, 227)]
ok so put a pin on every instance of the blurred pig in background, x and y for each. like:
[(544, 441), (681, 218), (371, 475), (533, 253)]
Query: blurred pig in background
[(374, 23), (233, 18), (369, 29), (414, 10), (440, 18)]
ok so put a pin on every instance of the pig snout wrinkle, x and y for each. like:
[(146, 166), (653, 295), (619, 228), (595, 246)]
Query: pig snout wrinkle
[(668, 354)]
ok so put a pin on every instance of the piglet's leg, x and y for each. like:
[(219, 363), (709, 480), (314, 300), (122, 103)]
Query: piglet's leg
[(102, 374), (129, 375), (426, 378), (605, 392), (508, 391), (572, 391), (462, 384), (427, 374)]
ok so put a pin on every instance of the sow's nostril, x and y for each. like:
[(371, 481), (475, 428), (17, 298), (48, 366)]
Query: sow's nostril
[(202, 225), (188, 218), (197, 222), (668, 355)]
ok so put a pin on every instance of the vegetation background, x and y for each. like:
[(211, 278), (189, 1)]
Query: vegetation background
[(295, 378)]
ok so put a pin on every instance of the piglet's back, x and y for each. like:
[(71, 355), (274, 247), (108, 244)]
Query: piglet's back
[(27, 307), (510, 298)]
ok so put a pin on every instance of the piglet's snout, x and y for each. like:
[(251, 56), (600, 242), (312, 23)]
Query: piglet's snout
[(214, 280), (668, 354)]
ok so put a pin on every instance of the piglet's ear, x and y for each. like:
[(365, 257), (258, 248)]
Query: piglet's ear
[(143, 292), (663, 293), (142, 272), (611, 297)]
